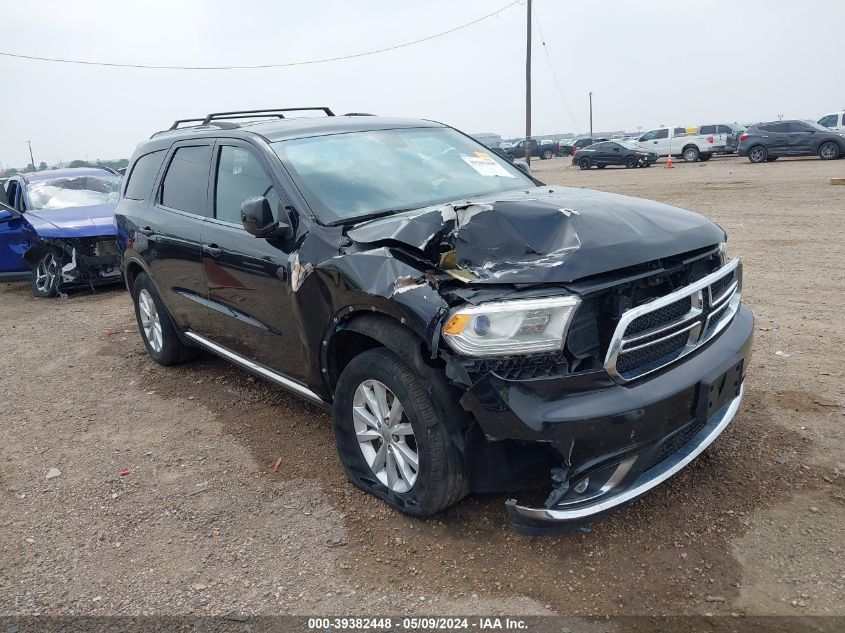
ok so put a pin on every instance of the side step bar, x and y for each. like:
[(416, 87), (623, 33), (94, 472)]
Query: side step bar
[(257, 369)]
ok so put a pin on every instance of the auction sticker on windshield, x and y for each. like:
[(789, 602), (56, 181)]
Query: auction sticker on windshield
[(485, 165)]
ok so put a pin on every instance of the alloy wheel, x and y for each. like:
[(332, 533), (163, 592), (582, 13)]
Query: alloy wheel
[(757, 155), (385, 436), (150, 320), (828, 151), (45, 273)]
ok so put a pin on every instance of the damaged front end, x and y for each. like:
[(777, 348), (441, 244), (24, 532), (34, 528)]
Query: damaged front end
[(595, 336), (59, 263)]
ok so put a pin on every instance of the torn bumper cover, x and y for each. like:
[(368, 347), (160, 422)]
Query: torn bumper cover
[(617, 441), (84, 261)]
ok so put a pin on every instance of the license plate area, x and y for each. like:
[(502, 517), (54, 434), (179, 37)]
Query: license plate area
[(715, 391)]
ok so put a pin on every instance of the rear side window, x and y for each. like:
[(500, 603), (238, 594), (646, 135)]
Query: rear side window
[(707, 129), (185, 185), (142, 176)]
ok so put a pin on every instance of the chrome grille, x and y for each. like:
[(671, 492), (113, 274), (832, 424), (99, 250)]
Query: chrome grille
[(660, 332)]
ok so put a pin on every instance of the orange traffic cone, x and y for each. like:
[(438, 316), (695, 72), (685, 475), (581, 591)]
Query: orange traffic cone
[(669, 164)]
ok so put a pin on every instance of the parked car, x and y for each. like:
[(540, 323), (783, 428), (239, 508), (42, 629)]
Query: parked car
[(622, 154), (834, 121), (571, 146), (690, 147), (544, 149), (731, 130), (56, 228), (769, 141), (469, 328)]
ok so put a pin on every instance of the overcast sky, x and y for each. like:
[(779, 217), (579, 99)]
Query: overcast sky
[(648, 63)]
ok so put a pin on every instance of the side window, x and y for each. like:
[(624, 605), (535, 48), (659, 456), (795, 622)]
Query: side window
[(708, 129), (830, 120), (240, 176), (662, 133), (649, 136), (143, 175), (797, 127), (185, 185)]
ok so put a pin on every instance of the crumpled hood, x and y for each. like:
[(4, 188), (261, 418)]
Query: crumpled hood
[(543, 235), (70, 222)]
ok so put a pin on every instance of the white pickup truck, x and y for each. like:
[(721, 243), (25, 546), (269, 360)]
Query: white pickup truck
[(691, 147)]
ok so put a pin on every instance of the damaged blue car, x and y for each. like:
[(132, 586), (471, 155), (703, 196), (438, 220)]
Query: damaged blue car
[(57, 229)]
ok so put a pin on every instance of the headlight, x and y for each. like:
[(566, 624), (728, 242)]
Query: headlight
[(503, 328), (723, 251)]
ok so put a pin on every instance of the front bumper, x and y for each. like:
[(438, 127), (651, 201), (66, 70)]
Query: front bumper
[(623, 439)]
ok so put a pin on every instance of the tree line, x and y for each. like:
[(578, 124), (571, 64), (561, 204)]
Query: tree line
[(113, 164)]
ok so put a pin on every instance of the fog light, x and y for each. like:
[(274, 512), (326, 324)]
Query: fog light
[(581, 486)]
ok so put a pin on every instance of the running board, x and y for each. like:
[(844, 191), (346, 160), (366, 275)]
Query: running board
[(257, 368)]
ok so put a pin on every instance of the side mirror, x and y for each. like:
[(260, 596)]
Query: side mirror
[(522, 166), (257, 218)]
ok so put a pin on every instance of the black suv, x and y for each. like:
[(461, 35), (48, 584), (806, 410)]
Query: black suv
[(769, 141), (470, 328)]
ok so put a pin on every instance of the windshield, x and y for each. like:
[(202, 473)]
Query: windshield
[(816, 126), (78, 191), (344, 176)]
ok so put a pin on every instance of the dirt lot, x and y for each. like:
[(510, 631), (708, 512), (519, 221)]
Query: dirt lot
[(199, 525)]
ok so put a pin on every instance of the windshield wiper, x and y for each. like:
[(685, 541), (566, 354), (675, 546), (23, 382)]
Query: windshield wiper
[(371, 216)]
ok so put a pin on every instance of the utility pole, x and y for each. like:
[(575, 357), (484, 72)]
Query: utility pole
[(528, 85), (31, 159), (591, 115)]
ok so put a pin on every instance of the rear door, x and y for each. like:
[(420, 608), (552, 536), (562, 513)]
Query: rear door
[(248, 285), (775, 138), (169, 238)]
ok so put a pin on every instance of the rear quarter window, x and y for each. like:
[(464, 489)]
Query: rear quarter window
[(143, 175), (707, 129)]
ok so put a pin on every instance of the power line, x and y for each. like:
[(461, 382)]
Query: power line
[(552, 68), (261, 66)]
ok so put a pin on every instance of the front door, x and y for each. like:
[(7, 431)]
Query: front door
[(11, 232), (248, 289), (801, 139)]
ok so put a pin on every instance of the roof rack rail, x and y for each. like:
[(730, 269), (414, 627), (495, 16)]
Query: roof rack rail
[(270, 112)]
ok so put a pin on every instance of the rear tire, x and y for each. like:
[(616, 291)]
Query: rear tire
[(758, 154), (829, 151), (547, 154), (585, 163), (440, 479), (156, 326), (690, 154), (47, 274), (631, 162)]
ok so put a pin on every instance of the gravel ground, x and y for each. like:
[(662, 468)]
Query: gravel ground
[(166, 502)]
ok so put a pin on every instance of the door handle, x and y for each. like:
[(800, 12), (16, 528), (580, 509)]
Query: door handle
[(212, 249), (146, 231)]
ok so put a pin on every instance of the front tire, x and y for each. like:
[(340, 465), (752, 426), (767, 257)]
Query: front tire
[(584, 163), (829, 151), (690, 154), (390, 438), (758, 154), (547, 154), (631, 162), (156, 326), (47, 274)]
